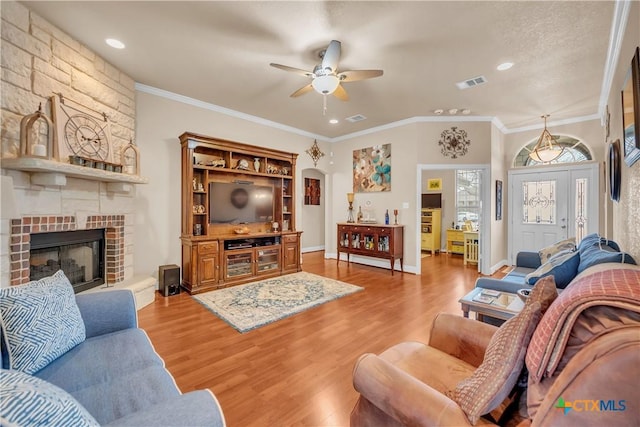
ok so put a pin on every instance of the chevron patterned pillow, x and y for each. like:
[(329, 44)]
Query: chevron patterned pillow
[(30, 401), (41, 321)]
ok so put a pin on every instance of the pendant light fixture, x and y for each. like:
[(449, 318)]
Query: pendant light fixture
[(546, 150)]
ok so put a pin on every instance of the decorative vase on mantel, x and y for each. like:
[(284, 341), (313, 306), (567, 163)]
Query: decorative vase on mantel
[(256, 164)]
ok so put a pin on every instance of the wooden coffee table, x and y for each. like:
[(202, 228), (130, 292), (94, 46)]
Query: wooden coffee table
[(485, 302)]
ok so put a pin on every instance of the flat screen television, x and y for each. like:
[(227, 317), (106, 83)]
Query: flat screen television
[(239, 203), (432, 201)]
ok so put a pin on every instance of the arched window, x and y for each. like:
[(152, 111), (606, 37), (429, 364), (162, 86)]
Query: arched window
[(574, 152)]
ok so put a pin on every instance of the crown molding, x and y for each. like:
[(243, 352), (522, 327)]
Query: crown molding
[(227, 111), (412, 120), (570, 121), (618, 26)]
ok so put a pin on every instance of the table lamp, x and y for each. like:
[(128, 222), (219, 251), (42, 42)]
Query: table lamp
[(350, 200)]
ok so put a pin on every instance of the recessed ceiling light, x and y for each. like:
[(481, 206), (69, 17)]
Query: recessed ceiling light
[(115, 43), (504, 66), (453, 111), (438, 111), (466, 111), (333, 121)]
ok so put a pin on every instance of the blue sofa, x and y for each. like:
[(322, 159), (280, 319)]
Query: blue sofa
[(564, 264), (114, 374), (526, 262)]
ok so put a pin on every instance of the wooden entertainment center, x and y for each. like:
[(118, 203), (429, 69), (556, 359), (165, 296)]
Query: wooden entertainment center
[(216, 252)]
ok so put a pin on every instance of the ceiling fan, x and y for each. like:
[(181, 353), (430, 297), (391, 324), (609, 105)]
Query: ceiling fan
[(326, 79)]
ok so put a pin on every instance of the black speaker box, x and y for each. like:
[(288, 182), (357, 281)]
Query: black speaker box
[(169, 280)]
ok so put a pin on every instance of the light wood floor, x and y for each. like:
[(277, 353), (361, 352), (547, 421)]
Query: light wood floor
[(297, 371)]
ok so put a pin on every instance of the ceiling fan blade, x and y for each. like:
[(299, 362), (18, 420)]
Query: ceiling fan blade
[(331, 56), (355, 75), (302, 91), (293, 70), (340, 93)]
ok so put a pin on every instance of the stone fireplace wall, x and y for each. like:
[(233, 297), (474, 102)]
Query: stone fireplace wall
[(38, 60)]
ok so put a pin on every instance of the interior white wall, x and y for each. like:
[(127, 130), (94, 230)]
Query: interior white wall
[(160, 121), (624, 226), (403, 142), (499, 227), (411, 145)]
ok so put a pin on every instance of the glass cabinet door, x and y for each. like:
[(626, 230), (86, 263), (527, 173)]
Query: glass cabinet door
[(369, 241), (268, 259), (383, 243), (356, 241), (238, 264), (344, 239)]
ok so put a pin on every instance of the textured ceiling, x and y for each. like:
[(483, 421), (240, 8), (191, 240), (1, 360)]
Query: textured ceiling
[(219, 52)]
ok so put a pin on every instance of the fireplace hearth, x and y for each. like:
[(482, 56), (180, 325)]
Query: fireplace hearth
[(80, 254)]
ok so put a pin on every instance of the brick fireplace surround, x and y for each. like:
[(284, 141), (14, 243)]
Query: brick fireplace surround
[(20, 238)]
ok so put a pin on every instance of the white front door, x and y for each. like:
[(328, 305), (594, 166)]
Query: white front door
[(539, 210), (551, 204)]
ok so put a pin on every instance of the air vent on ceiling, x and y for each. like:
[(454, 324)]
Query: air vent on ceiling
[(476, 81), (356, 118)]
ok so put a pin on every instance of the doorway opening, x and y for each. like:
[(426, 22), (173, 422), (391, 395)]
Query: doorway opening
[(464, 197)]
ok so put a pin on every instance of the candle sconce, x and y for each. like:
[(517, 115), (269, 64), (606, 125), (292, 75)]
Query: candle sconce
[(29, 141), (130, 159)]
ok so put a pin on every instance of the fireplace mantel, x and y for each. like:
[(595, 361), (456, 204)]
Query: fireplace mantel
[(51, 172)]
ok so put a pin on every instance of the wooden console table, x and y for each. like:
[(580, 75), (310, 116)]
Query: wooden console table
[(372, 240)]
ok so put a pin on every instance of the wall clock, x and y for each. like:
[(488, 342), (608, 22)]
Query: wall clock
[(81, 131), (614, 170)]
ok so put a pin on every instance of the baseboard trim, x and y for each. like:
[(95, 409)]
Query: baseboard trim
[(499, 265), (372, 262)]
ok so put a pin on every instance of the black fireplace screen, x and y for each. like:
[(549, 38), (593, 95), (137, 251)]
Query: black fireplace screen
[(80, 254)]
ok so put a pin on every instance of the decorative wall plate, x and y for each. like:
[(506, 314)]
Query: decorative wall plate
[(454, 142), (81, 131)]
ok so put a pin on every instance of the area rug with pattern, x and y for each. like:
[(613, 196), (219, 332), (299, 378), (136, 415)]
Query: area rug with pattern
[(247, 307)]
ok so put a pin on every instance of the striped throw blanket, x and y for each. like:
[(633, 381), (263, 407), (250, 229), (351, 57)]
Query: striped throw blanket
[(616, 287)]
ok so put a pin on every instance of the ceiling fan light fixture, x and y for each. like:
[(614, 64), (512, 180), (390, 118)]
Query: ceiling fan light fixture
[(325, 85), (545, 150)]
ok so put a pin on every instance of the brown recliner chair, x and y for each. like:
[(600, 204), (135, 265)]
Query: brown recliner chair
[(593, 380)]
